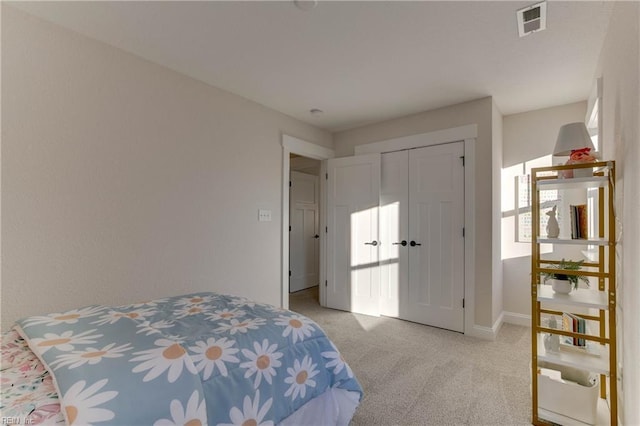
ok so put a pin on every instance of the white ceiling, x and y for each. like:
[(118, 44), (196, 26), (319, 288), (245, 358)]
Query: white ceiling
[(360, 62)]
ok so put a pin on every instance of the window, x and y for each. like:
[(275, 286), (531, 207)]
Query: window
[(593, 119), (522, 211)]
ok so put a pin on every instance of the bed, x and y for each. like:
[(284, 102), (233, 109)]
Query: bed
[(196, 359)]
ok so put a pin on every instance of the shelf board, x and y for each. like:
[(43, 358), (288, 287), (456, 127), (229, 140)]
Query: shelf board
[(575, 242), (581, 297), (582, 182), (596, 364), (603, 416)]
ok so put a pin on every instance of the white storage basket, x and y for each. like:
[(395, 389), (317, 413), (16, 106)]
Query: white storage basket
[(566, 397)]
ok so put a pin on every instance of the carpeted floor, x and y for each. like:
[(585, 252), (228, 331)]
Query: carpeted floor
[(418, 375)]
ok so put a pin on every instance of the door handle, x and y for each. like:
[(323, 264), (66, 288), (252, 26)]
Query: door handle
[(316, 236), (413, 244), (372, 243), (403, 243)]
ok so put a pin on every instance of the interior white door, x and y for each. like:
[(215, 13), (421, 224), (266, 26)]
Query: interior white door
[(436, 236), (353, 192), (394, 231), (303, 236)]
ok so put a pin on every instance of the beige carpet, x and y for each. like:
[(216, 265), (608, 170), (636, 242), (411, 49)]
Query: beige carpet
[(418, 375)]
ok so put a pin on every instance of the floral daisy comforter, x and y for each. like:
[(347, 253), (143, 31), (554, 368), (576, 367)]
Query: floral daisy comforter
[(202, 358)]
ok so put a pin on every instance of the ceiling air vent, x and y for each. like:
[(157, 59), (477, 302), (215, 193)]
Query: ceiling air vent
[(532, 18)]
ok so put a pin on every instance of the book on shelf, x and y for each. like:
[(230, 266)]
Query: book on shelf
[(579, 222), (574, 324)]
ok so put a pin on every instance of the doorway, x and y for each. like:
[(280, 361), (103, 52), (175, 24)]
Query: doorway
[(307, 150), (304, 223)]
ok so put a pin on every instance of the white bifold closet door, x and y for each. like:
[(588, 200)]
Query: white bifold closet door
[(422, 235), (353, 193)]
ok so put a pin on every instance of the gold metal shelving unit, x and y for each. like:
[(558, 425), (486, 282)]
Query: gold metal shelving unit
[(600, 303)]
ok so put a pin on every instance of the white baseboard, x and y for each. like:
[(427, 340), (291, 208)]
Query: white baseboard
[(482, 332), (490, 333), (517, 319), (487, 333)]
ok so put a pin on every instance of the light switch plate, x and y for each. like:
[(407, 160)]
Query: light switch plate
[(264, 215)]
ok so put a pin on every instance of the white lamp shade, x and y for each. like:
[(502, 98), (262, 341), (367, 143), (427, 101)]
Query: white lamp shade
[(572, 136)]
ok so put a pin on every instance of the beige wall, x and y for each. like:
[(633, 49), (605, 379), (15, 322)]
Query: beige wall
[(527, 136), (620, 71), (123, 180), (533, 134), (475, 112)]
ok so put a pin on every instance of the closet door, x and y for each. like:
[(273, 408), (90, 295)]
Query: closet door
[(353, 196), (394, 230), (436, 239)]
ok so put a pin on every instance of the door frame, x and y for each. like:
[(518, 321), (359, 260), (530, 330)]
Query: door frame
[(468, 135), (293, 145)]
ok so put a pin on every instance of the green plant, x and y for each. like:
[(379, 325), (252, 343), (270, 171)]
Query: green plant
[(567, 265)]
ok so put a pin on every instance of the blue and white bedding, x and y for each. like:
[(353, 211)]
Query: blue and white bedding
[(202, 358)]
